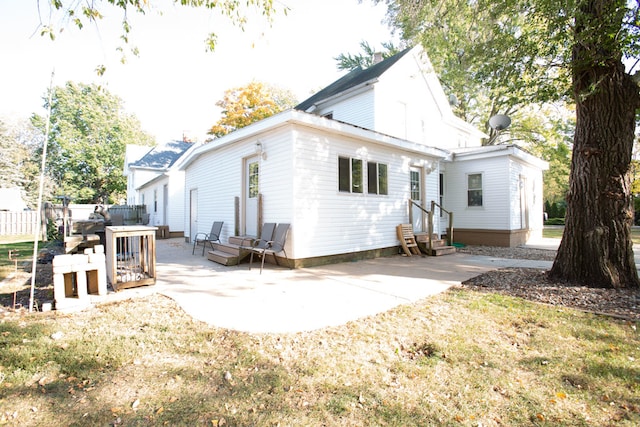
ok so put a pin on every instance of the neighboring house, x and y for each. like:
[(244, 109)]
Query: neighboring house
[(342, 166), (11, 200), (151, 181), (132, 154)]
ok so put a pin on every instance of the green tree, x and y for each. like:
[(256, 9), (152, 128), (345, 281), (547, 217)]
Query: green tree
[(546, 131), (366, 58), (87, 139), (244, 105), (12, 156), (18, 144), (80, 14), (541, 50), (483, 53)]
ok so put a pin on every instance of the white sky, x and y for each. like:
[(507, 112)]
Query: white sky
[(172, 87)]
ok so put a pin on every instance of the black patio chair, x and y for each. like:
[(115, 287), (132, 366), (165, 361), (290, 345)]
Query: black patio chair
[(272, 247), (212, 236)]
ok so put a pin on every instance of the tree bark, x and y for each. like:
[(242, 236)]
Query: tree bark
[(596, 248)]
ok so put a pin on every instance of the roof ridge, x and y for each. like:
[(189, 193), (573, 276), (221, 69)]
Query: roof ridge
[(350, 80)]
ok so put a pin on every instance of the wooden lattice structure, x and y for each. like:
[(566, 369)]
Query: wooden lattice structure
[(131, 256)]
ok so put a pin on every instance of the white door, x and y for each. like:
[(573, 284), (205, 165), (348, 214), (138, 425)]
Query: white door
[(193, 213), (251, 192), (415, 182)]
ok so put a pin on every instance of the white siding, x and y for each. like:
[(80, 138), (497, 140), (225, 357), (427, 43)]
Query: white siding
[(218, 178), (406, 108), (175, 205), (357, 110), (494, 212), (534, 203), (501, 196), (330, 222)]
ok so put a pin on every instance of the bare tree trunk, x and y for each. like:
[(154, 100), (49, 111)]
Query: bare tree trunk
[(596, 248)]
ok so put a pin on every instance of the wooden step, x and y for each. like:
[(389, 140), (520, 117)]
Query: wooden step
[(435, 240), (230, 253), (223, 258), (241, 240), (229, 248), (442, 250)]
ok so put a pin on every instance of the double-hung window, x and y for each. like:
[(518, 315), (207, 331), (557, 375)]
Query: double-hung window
[(377, 178), (474, 189), (350, 175)]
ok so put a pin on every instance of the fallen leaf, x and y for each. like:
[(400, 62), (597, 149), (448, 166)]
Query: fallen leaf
[(561, 395)]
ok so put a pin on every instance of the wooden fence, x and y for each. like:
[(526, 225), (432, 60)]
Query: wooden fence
[(18, 223)]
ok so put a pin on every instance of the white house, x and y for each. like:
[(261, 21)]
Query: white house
[(11, 199), (153, 182), (342, 166)]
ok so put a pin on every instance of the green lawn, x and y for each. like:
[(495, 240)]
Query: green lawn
[(556, 233), (23, 252)]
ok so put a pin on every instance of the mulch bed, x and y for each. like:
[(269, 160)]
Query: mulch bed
[(534, 285)]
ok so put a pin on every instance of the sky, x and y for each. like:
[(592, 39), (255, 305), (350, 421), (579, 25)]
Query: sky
[(174, 83)]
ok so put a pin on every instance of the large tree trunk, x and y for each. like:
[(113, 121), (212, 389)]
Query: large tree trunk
[(596, 248)]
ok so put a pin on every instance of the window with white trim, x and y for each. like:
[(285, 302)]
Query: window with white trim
[(414, 177), (377, 178), (474, 190), (350, 175)]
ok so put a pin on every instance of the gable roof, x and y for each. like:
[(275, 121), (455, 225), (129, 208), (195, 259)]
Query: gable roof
[(353, 79), (162, 156)]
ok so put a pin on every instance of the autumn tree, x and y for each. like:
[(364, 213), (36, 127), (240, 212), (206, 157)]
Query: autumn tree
[(244, 105), (89, 130), (545, 50)]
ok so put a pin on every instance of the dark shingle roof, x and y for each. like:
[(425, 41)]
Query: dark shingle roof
[(162, 156), (352, 79)]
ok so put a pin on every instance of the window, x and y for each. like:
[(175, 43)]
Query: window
[(253, 180), (155, 200), (349, 175), (377, 178), (474, 189), (415, 185)]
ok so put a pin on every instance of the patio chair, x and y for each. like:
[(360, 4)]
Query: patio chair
[(273, 247), (212, 236), (266, 235)]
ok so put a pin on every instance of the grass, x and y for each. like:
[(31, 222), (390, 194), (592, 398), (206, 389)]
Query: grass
[(24, 251), (459, 358), (556, 233)]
